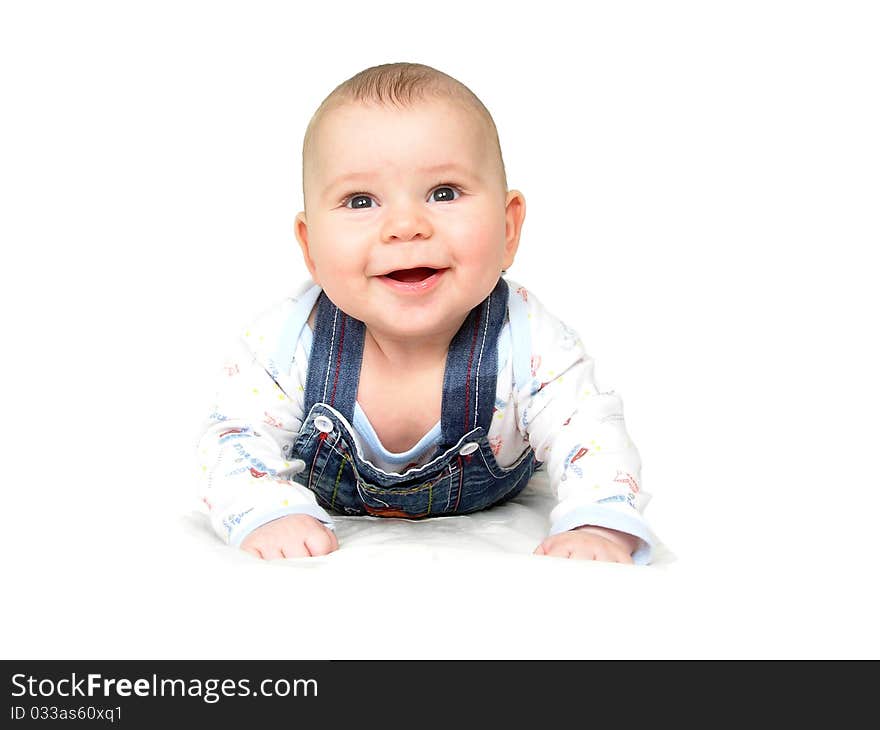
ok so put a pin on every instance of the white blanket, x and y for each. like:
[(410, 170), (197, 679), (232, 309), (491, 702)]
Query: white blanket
[(465, 586), (512, 530)]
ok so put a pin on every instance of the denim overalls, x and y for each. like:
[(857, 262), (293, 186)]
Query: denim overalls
[(462, 475)]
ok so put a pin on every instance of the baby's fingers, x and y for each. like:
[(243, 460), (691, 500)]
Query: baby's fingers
[(296, 549), (321, 542), (607, 554), (553, 549), (270, 552)]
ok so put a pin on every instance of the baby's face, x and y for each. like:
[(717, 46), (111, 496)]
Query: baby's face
[(392, 190)]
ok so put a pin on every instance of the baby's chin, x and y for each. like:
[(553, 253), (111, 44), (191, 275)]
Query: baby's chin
[(415, 323), (410, 325)]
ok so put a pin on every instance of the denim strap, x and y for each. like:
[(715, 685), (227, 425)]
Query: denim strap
[(335, 359), (472, 368), (469, 382)]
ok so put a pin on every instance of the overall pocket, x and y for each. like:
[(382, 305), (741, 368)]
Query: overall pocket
[(425, 497)]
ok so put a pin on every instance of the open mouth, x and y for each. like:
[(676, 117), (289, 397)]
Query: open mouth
[(410, 276), (418, 280)]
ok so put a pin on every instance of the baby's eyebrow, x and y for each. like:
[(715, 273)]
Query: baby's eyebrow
[(453, 167)]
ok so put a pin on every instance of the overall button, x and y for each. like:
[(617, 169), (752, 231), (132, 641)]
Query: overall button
[(323, 424), (469, 448)]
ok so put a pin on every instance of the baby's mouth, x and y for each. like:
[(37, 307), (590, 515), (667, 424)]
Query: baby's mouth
[(411, 275)]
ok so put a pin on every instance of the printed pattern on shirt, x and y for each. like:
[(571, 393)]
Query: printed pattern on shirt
[(577, 432)]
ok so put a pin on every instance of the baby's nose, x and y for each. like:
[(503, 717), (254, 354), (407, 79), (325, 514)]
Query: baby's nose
[(404, 223)]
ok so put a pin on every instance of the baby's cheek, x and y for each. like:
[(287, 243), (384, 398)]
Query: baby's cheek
[(478, 230), (482, 260), (337, 266)]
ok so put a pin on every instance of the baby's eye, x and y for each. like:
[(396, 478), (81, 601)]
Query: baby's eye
[(360, 201), (448, 193)]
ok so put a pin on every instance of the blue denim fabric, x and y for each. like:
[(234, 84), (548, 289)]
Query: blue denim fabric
[(462, 475)]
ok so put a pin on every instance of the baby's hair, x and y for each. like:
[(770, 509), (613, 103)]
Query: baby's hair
[(401, 85)]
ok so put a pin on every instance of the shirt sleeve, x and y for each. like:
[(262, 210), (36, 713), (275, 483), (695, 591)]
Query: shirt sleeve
[(246, 476), (578, 433)]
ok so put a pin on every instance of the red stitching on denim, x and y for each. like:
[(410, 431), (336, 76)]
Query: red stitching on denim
[(338, 361)]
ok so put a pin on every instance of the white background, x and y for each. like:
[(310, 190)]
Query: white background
[(702, 196)]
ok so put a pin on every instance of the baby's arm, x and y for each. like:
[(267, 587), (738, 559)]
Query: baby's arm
[(579, 434), (245, 453)]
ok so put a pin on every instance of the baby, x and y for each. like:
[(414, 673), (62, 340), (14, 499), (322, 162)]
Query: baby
[(409, 378)]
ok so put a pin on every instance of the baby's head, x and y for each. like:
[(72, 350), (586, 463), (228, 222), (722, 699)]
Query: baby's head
[(402, 170)]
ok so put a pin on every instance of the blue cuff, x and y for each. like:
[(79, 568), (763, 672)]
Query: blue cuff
[(604, 517), (252, 521)]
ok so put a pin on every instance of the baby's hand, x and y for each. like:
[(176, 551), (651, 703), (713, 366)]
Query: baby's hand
[(590, 543), (293, 536)]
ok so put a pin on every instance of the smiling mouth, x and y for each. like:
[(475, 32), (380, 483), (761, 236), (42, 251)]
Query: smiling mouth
[(412, 275)]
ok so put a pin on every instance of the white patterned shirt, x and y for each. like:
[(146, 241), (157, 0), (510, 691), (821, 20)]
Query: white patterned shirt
[(546, 399)]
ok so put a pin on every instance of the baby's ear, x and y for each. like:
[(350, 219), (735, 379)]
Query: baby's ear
[(515, 213), (301, 230)]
